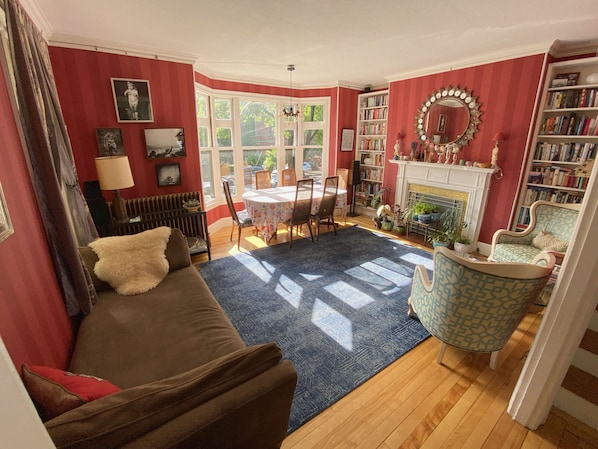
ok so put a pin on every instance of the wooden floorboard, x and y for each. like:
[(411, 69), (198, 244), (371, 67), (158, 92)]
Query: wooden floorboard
[(418, 403)]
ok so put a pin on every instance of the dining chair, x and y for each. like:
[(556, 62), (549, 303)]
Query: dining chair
[(289, 177), (241, 219), (263, 179), (325, 214), (302, 207), (476, 306), (343, 182)]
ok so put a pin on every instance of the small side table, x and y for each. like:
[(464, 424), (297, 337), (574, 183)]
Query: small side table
[(420, 228)]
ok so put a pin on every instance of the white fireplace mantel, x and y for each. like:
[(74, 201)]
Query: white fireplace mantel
[(473, 181)]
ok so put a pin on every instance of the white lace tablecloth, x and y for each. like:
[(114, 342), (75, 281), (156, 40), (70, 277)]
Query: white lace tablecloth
[(269, 207)]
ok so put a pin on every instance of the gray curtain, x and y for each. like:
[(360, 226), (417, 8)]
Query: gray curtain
[(63, 209)]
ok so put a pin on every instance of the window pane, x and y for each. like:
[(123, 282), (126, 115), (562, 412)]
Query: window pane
[(313, 113), (204, 141), (224, 137), (289, 137), (201, 105), (227, 169), (207, 176), (258, 123), (313, 137), (312, 164), (289, 158), (222, 109), (254, 160)]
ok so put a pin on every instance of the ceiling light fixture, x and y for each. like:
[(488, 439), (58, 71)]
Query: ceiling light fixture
[(291, 112)]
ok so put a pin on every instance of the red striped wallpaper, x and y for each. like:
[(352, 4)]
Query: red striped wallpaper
[(84, 88), (33, 320), (506, 91)]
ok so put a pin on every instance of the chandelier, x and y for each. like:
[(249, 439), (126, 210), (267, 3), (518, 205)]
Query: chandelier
[(291, 112)]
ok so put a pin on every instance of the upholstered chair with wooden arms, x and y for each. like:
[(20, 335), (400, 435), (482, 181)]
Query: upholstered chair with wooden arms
[(550, 229), (476, 306)]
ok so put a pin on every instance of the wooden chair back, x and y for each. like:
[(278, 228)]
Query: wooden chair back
[(289, 177), (263, 179)]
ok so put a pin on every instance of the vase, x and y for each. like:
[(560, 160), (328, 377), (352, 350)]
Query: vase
[(191, 208)]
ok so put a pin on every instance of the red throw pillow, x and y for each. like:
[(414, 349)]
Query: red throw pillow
[(55, 391)]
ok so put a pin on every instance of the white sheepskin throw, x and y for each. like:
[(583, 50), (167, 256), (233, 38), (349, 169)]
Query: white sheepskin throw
[(132, 264)]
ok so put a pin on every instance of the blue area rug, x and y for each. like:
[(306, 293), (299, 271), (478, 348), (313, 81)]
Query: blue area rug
[(336, 307)]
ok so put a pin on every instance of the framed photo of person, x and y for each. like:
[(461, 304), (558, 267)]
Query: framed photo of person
[(168, 174), (110, 141), (132, 100)]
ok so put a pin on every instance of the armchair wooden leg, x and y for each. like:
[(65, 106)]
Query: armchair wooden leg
[(493, 360), (441, 353), (411, 311)]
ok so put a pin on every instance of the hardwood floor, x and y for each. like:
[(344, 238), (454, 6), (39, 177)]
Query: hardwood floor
[(417, 403)]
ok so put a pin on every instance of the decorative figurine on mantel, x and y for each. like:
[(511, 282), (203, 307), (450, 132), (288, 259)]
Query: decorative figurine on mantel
[(455, 149), (498, 137), (397, 147)]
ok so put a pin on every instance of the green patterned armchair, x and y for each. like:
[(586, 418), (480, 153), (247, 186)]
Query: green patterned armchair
[(550, 229), (476, 306)]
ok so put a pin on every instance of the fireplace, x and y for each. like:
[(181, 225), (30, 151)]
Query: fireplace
[(450, 185)]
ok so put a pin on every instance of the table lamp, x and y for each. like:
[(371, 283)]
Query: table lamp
[(114, 173)]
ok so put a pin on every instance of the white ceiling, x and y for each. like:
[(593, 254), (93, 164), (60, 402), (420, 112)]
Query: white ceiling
[(346, 42)]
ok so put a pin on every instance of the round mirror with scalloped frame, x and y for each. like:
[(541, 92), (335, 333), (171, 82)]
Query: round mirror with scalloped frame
[(450, 115)]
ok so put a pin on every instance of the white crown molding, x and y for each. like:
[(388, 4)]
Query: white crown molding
[(81, 43), (471, 62), (561, 49)]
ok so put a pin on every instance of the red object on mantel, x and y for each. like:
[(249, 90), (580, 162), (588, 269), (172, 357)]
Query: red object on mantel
[(499, 137)]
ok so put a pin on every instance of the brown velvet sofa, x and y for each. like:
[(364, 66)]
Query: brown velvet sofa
[(188, 379)]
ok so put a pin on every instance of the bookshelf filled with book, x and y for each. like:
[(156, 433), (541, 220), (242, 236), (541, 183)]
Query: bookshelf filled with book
[(566, 138), (370, 146)]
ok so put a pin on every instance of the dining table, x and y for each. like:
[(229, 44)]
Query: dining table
[(269, 207)]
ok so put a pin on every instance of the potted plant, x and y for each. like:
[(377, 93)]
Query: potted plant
[(192, 205), (439, 238), (424, 211), (399, 219), (463, 245), (384, 218), (376, 200), (453, 226)]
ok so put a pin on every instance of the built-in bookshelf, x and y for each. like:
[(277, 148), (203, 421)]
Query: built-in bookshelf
[(370, 146), (566, 137)]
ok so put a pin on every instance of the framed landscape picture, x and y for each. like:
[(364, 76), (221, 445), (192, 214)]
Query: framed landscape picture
[(132, 100), (168, 174), (165, 142), (110, 141)]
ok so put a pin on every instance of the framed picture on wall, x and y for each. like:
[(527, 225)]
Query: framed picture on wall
[(5, 224), (132, 100), (441, 123), (168, 174), (347, 139), (110, 141), (165, 142)]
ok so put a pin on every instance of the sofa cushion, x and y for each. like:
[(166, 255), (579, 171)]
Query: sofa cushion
[(168, 330), (547, 241), (116, 419), (55, 391), (512, 252), (132, 264)]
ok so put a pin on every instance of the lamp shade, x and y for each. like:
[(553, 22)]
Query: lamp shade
[(114, 172)]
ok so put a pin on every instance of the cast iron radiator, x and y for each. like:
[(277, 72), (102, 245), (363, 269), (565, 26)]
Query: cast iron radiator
[(162, 210)]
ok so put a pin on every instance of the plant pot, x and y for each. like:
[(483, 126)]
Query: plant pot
[(435, 216), (424, 218), (436, 243), (464, 248), (387, 225), (191, 208), (400, 229)]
